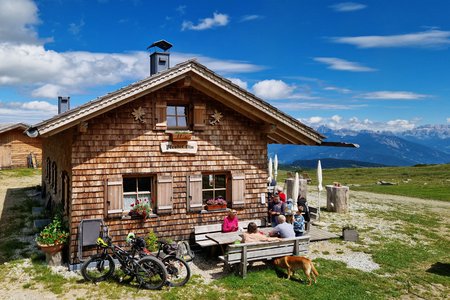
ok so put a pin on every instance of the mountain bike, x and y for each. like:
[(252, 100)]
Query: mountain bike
[(149, 271), (178, 270)]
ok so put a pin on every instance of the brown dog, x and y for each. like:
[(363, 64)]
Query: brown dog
[(294, 263)]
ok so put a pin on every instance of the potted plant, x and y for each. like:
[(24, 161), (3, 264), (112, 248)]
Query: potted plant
[(53, 237), (350, 233), (181, 136), (141, 208), (216, 204)]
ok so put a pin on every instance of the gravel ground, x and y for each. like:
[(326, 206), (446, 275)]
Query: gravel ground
[(361, 213)]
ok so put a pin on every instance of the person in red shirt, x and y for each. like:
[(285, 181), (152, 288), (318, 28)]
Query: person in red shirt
[(230, 223), (281, 194)]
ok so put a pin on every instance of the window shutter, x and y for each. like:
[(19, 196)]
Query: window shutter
[(199, 117), (194, 195), (113, 196), (164, 194), (238, 189), (160, 115)]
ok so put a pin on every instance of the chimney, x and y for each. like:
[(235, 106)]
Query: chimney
[(159, 61), (63, 104)]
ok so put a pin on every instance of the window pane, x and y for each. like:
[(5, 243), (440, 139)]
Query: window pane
[(221, 181), (221, 193), (128, 200), (171, 110), (207, 181), (144, 184), (182, 122), (171, 121), (129, 185), (207, 195), (145, 197)]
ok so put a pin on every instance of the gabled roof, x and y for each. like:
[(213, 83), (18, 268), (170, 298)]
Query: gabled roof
[(280, 127), (8, 127)]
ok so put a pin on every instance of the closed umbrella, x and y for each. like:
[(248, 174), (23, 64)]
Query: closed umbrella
[(319, 187), (275, 166), (296, 188), (270, 170)]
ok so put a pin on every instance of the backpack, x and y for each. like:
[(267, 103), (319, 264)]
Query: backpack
[(184, 251)]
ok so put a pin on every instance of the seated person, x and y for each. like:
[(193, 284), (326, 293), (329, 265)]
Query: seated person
[(299, 222), (230, 223), (254, 235), (283, 229)]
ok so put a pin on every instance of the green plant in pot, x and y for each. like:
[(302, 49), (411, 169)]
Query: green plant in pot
[(53, 237)]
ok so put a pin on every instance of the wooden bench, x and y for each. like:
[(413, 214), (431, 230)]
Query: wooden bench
[(249, 252), (200, 232)]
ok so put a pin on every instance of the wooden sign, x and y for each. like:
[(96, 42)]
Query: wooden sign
[(190, 147)]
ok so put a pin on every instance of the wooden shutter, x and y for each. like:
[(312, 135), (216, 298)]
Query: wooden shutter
[(199, 113), (113, 196), (238, 189), (161, 115), (194, 194), (164, 194)]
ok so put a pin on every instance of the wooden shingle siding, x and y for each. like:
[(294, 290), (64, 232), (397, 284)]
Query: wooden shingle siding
[(16, 146), (116, 145)]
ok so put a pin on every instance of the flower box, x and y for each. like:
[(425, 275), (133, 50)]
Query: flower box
[(180, 136), (216, 207)]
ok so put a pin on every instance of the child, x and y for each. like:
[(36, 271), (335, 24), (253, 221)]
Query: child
[(299, 222)]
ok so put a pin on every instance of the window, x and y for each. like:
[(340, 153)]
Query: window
[(54, 177), (213, 186), (137, 188), (177, 117)]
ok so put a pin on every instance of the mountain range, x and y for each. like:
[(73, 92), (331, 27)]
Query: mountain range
[(429, 144)]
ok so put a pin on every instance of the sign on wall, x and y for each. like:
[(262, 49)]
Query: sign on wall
[(190, 147)]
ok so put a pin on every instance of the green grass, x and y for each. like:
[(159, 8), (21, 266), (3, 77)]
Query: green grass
[(21, 172), (427, 182)]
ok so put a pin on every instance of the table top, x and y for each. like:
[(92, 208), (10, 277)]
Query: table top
[(223, 238)]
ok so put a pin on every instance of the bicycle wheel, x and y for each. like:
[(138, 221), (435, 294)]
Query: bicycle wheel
[(178, 271), (151, 273), (99, 267)]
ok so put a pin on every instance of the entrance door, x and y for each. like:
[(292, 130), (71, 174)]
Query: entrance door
[(5, 156)]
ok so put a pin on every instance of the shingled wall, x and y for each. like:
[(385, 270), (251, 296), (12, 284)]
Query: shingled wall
[(115, 143)]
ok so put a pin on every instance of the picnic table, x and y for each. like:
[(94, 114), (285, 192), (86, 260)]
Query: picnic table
[(226, 238)]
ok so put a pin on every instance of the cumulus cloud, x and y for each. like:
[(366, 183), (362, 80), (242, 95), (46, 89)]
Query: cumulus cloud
[(429, 38), (217, 20), (348, 6), (17, 21), (343, 65), (336, 122), (393, 95), (272, 89), (29, 112)]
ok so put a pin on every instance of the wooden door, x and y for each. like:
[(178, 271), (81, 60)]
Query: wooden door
[(5, 157)]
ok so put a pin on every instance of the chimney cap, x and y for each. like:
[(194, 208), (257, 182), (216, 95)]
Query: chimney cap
[(163, 44)]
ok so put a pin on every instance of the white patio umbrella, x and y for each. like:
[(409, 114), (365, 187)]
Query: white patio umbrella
[(270, 170), (295, 192), (319, 187), (275, 166)]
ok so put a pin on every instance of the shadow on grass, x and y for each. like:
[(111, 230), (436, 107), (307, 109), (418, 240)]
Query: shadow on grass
[(439, 268)]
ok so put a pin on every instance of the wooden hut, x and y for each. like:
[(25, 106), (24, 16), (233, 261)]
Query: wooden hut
[(17, 149), (177, 138)]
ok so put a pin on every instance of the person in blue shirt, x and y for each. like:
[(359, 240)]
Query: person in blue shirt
[(299, 222)]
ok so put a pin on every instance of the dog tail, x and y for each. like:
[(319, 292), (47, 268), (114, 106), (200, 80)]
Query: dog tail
[(313, 269)]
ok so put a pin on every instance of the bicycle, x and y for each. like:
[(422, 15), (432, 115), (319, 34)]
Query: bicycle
[(149, 272), (178, 270)]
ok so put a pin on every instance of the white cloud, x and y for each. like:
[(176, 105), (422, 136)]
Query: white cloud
[(273, 89), (448, 120), (27, 112), (337, 89), (343, 65), (429, 38), (217, 20), (348, 6), (48, 91), (250, 18), (356, 124), (17, 18), (75, 28), (40, 105), (239, 82), (393, 95), (302, 106)]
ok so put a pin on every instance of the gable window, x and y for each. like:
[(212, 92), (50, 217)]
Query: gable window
[(214, 186), (177, 117), (137, 188)]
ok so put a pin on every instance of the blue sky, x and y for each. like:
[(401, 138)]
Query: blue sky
[(381, 65)]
